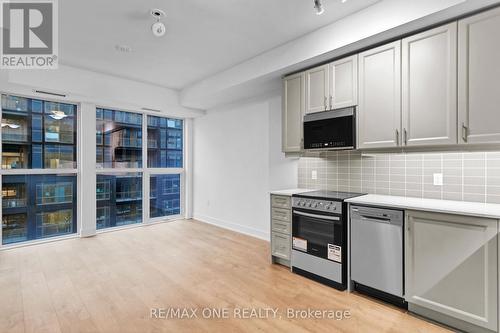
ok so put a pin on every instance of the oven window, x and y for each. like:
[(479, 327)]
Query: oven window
[(318, 233)]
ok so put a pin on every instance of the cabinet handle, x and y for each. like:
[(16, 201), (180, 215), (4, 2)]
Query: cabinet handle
[(326, 105), (331, 102), (405, 137), (465, 131), (397, 137)]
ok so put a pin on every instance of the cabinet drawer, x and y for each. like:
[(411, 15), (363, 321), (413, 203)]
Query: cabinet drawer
[(280, 245), (281, 214), (280, 201), (281, 226)]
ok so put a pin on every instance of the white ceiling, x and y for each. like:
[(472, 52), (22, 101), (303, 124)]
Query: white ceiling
[(203, 36)]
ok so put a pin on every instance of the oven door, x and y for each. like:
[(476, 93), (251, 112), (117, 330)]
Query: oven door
[(317, 234), (330, 130)]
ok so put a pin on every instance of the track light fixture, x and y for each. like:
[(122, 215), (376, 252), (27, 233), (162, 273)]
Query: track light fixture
[(319, 7)]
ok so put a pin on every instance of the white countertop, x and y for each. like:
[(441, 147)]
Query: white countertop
[(432, 205), (291, 191)]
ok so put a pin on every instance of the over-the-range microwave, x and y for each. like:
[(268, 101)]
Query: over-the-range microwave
[(330, 130)]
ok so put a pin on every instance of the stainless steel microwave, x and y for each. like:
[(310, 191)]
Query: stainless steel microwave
[(330, 130)]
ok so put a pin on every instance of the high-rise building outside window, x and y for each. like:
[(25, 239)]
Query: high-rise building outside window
[(165, 142), (118, 139), (38, 206), (119, 199), (39, 136)]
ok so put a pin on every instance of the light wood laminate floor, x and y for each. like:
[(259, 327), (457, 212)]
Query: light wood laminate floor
[(110, 282)]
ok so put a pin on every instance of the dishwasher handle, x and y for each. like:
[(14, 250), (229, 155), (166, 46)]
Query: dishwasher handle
[(377, 215), (376, 218)]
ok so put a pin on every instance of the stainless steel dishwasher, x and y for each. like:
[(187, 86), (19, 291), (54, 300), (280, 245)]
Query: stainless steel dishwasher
[(377, 252)]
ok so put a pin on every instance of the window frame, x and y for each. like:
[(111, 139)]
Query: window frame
[(65, 171)]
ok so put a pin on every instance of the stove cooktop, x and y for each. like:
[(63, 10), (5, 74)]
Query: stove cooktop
[(328, 195)]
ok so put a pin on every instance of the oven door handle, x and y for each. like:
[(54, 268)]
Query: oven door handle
[(324, 217)]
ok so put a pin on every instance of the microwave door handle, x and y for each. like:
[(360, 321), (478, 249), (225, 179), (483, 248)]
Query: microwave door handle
[(324, 217)]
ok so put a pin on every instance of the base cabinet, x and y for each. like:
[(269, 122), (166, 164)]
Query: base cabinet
[(451, 268), (281, 229)]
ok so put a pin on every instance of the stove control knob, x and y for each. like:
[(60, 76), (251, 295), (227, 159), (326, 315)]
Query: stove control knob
[(334, 207), (314, 205), (308, 204), (327, 206)]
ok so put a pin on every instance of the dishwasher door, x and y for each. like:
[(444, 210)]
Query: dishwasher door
[(377, 248)]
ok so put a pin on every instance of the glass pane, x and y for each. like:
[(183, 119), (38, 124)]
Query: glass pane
[(37, 206), (14, 103), (165, 142), (165, 195), (49, 224), (118, 139), (59, 156), (23, 125), (59, 130), (119, 199)]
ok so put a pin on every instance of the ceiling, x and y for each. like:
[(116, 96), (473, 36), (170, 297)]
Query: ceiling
[(203, 36)]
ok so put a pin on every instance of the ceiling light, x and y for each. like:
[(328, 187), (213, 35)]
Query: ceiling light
[(58, 115), (344, 1), (158, 28), (319, 7)]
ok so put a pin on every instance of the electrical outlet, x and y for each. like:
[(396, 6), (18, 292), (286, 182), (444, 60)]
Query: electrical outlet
[(314, 175), (438, 179)]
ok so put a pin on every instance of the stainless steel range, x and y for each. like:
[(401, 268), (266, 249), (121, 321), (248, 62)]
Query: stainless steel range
[(319, 236)]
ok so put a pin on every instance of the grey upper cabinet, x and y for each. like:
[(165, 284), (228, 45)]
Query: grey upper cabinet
[(429, 87), (343, 83), (317, 89), (293, 113), (479, 78), (379, 110), (461, 253)]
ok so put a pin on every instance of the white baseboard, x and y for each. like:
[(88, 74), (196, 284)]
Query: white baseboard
[(264, 235)]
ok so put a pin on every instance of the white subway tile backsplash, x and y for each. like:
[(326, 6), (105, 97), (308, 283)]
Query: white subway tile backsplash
[(470, 176)]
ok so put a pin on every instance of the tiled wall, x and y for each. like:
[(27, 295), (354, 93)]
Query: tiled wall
[(467, 176)]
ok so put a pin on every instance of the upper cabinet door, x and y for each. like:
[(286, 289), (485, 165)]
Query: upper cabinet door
[(317, 89), (344, 83), (479, 78), (429, 87), (379, 110), (293, 113)]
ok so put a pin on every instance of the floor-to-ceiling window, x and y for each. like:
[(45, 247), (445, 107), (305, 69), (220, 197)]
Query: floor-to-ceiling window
[(139, 177), (165, 144), (139, 168), (39, 169), (119, 150)]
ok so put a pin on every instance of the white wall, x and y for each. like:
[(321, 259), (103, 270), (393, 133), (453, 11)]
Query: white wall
[(92, 87), (237, 161)]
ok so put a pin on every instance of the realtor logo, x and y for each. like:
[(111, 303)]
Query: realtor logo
[(29, 34)]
